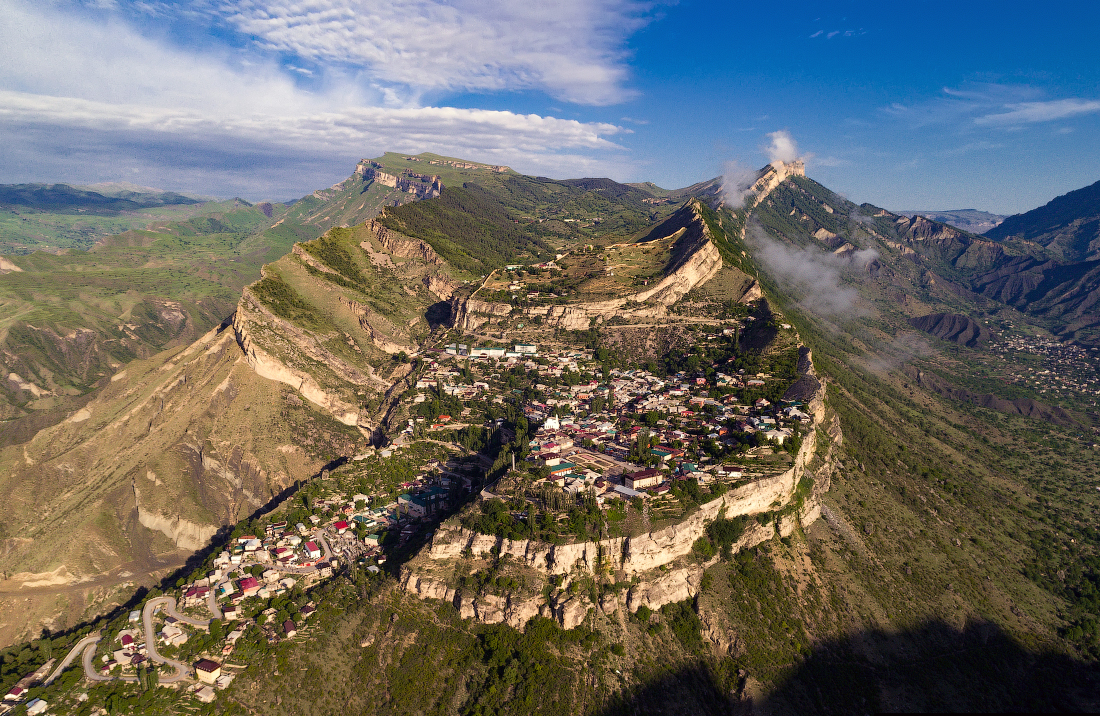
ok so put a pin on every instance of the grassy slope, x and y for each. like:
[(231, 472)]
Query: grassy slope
[(946, 515), (519, 219)]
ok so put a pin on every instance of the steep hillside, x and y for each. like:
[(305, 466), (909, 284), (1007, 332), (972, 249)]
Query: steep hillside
[(332, 321), (1069, 225), (173, 447), (73, 319)]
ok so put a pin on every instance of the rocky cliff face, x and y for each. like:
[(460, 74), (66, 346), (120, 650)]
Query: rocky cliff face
[(422, 186), (402, 246), (773, 175), (252, 316), (657, 562), (698, 262)]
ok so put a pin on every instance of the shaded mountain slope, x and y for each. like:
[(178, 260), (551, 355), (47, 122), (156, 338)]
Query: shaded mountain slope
[(952, 327), (1069, 225)]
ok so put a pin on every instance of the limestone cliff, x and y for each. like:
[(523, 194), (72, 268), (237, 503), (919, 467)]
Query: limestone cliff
[(402, 246), (771, 177), (423, 186)]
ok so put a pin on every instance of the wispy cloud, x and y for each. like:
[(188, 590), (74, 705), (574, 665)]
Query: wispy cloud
[(818, 280), (841, 33), (1032, 112), (990, 105), (969, 147), (736, 180), (571, 49)]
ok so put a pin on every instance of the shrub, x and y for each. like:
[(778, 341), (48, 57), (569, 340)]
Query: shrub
[(703, 548)]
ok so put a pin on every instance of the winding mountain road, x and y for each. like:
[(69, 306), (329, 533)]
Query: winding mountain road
[(169, 604), (87, 645), (90, 640)]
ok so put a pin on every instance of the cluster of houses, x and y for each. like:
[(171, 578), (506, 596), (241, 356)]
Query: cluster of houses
[(130, 652), (17, 693), (588, 432), (565, 444), (1068, 368)]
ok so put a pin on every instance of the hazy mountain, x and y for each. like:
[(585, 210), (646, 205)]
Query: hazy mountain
[(62, 197), (972, 220)]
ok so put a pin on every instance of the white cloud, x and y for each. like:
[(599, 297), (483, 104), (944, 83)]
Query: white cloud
[(81, 98), (783, 148), (736, 180), (571, 49), (1032, 112)]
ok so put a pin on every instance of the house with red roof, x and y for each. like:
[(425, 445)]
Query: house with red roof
[(249, 586)]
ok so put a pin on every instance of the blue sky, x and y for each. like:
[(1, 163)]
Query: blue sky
[(917, 105)]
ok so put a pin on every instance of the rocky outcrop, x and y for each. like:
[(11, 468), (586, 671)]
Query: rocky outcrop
[(487, 608), (368, 320), (401, 246), (6, 266), (183, 533), (696, 261), (673, 586), (771, 177), (442, 286), (423, 186), (308, 259)]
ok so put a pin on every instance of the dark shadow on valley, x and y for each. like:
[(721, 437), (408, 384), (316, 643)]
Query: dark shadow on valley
[(933, 668)]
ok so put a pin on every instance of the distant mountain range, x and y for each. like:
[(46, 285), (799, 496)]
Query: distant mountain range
[(65, 198), (972, 220)]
